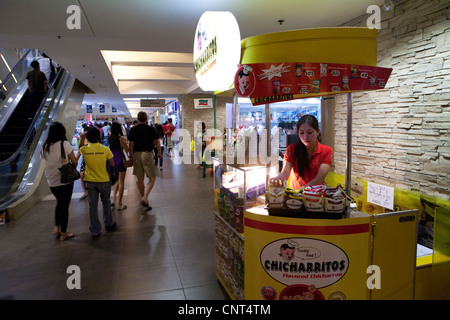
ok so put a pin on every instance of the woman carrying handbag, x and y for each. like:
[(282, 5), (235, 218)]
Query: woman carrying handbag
[(51, 153)]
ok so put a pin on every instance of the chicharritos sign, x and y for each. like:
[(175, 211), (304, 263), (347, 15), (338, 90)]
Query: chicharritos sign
[(273, 82), (217, 50), (303, 260)]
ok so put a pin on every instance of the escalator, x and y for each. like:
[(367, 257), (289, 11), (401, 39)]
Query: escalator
[(15, 130), (22, 183)]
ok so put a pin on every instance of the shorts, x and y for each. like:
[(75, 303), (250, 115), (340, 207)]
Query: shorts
[(144, 164)]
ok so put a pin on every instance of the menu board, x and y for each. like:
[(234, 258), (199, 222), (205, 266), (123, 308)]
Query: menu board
[(273, 82)]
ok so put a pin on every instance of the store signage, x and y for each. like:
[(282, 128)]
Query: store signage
[(273, 82), (305, 261), (217, 50), (171, 108), (153, 103), (203, 103)]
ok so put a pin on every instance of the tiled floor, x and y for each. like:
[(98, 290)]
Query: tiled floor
[(165, 253)]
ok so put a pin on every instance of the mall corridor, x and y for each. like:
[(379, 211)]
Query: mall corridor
[(165, 253)]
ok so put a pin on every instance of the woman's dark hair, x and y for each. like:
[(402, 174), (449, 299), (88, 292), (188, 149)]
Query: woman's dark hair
[(116, 133), (203, 127), (160, 130), (300, 150), (56, 132), (93, 135), (116, 129)]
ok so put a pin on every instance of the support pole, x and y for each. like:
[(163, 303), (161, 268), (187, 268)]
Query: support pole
[(348, 170), (268, 150)]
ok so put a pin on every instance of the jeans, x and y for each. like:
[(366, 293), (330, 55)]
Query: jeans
[(94, 189)]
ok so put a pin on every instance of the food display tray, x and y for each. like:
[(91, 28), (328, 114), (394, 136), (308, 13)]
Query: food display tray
[(303, 213)]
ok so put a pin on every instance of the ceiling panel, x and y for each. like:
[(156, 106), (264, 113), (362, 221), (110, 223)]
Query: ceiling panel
[(147, 33)]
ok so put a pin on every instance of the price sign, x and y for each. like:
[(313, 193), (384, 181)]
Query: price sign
[(380, 195)]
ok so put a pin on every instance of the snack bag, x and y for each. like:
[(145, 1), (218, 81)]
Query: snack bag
[(315, 86), (323, 69), (294, 199), (345, 85), (354, 72), (336, 199), (276, 194), (313, 198)]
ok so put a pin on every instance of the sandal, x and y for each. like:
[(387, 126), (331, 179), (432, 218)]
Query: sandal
[(146, 205), (68, 236), (122, 207)]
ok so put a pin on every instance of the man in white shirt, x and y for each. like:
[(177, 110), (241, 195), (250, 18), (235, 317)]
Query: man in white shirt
[(44, 65), (106, 132)]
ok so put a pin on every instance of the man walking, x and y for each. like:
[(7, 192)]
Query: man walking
[(142, 140), (37, 85)]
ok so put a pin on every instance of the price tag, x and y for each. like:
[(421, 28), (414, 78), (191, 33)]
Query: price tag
[(380, 195)]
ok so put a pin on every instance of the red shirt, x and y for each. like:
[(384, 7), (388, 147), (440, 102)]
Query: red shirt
[(322, 154), (170, 129)]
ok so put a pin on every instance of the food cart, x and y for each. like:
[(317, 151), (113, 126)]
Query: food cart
[(305, 255)]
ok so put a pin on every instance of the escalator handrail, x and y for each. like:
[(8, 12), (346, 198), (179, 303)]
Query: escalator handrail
[(19, 63), (33, 122)]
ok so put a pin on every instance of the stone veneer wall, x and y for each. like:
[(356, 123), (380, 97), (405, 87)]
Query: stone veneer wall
[(190, 114), (401, 135)]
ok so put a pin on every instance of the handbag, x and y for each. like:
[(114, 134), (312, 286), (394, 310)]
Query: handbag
[(112, 172), (68, 172), (126, 162)]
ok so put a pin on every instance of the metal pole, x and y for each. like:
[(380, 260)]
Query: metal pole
[(348, 170), (268, 150)]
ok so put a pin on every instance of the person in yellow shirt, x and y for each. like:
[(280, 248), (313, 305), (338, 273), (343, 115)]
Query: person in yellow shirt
[(97, 182)]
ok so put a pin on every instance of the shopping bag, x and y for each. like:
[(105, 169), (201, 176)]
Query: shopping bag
[(192, 145)]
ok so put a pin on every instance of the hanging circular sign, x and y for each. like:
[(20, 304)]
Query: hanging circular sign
[(217, 50)]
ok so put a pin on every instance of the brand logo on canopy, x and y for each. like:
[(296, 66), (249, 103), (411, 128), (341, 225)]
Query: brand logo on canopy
[(273, 82)]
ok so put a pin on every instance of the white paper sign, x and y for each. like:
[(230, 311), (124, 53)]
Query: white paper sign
[(380, 195)]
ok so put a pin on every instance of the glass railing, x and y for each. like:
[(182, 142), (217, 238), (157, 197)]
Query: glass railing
[(15, 75), (18, 172)]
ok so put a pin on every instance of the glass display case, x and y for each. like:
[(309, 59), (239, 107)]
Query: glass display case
[(236, 188)]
